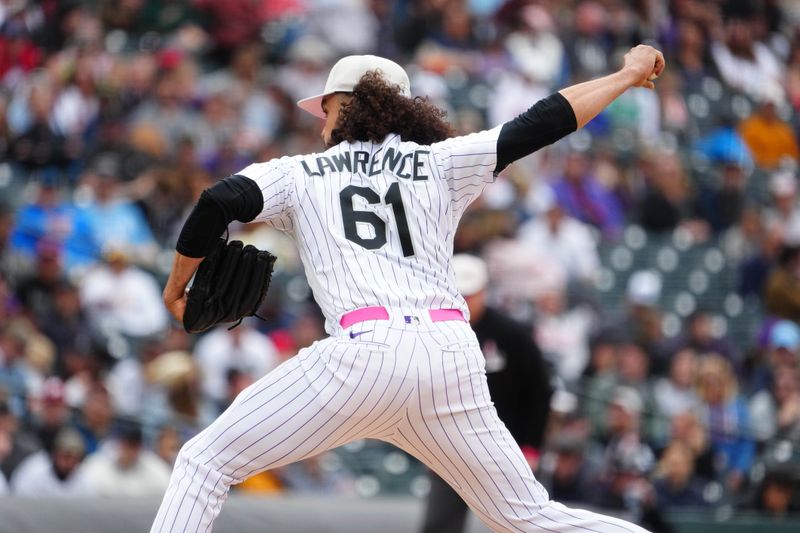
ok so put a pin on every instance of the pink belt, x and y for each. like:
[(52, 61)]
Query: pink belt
[(380, 313)]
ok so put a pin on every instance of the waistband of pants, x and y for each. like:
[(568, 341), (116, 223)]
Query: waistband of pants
[(381, 313)]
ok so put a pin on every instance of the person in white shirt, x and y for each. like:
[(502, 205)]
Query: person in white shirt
[(564, 238), (783, 214), (242, 348), (124, 467), (55, 474), (676, 394), (122, 298)]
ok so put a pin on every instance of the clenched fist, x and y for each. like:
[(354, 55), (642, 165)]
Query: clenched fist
[(644, 64)]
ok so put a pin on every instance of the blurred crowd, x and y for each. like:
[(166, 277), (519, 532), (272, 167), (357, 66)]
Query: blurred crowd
[(114, 116)]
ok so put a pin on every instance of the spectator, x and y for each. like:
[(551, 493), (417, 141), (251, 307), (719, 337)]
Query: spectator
[(624, 418), (691, 61), (68, 328), (581, 196), (699, 336), (166, 118), (566, 239), (123, 299), (563, 333), (234, 22), (771, 140), (21, 441), (687, 429), (38, 144), (20, 55), (126, 468), (633, 370), (722, 144), (784, 212), (168, 444), (12, 263), (57, 473), (667, 204), (777, 495), (675, 114), (77, 105), (746, 64), (782, 295), (536, 45), (640, 317), (50, 222), (721, 206), (675, 482), (95, 418), (781, 344), (176, 398), (675, 394), (166, 193), (132, 387), (50, 413), (36, 291), (627, 462), (726, 417), (242, 348), (566, 472), (113, 220), (755, 268), (14, 375), (776, 413), (589, 46), (521, 275)]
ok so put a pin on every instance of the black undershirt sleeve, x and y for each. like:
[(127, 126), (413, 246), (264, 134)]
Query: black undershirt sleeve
[(547, 121), (234, 198)]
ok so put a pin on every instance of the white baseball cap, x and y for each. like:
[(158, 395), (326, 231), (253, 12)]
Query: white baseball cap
[(783, 183), (347, 72), (472, 274)]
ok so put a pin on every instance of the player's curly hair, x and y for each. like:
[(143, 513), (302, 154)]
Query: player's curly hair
[(378, 109)]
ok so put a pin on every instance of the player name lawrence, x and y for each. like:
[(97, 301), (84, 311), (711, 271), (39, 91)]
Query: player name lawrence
[(409, 166)]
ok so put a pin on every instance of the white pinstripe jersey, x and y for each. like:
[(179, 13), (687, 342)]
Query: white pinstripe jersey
[(374, 223)]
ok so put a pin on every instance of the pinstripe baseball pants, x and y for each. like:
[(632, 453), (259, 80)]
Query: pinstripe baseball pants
[(411, 382)]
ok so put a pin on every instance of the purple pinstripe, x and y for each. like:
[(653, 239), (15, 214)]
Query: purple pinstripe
[(433, 404)]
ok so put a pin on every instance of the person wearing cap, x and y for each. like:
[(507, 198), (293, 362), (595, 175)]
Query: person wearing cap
[(783, 212), (122, 298), (627, 461), (518, 383), (50, 413), (53, 474), (374, 217), (783, 343), (775, 407)]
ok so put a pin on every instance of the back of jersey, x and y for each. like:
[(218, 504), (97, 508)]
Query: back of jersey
[(374, 223)]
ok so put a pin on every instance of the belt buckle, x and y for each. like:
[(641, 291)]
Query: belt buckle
[(411, 319)]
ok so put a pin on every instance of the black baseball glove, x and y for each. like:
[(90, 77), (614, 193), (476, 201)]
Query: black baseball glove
[(229, 285)]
